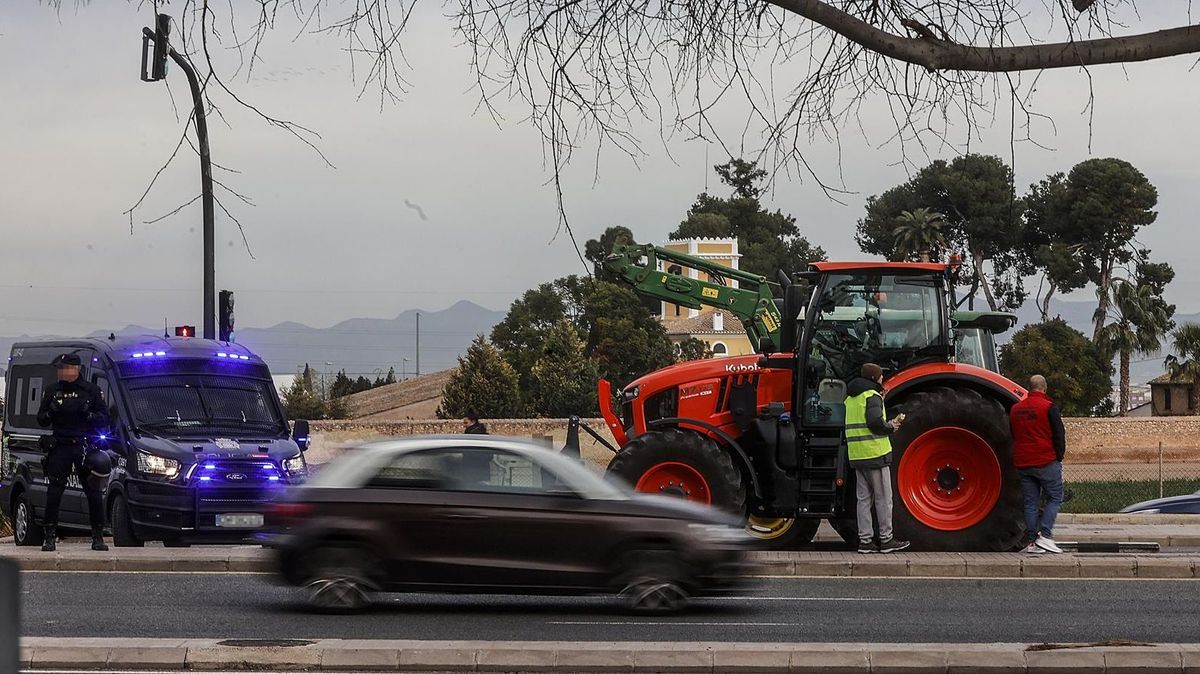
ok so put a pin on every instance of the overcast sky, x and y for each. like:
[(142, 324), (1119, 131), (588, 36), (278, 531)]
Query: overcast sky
[(80, 136)]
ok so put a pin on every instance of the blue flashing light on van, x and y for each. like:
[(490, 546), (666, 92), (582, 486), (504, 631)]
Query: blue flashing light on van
[(201, 443)]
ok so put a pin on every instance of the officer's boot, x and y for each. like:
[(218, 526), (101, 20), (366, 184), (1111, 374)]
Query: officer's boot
[(50, 542), (98, 539)]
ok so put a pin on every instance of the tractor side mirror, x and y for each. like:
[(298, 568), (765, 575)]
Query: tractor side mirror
[(795, 301), (300, 434)]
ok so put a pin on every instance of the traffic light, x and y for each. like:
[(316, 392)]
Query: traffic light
[(185, 331), (162, 46), (225, 316)]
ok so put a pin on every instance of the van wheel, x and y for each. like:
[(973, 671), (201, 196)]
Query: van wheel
[(122, 526), (25, 530), (652, 582), (339, 579)]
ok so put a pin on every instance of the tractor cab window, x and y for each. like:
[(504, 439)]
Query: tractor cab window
[(976, 346), (887, 319)]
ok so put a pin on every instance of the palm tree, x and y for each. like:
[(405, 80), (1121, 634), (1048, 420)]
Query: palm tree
[(1140, 319), (919, 232), (1186, 340)]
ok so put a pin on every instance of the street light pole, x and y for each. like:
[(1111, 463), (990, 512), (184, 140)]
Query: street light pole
[(206, 181)]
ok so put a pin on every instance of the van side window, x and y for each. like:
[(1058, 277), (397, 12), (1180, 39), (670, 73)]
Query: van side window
[(28, 384)]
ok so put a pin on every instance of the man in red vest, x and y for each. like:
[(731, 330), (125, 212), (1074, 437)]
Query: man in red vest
[(1039, 442)]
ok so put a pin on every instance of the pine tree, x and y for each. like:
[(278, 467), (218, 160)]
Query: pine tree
[(300, 400), (484, 385), (391, 376), (563, 381)]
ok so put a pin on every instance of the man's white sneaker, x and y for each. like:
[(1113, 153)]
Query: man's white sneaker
[(1047, 544), (1033, 549)]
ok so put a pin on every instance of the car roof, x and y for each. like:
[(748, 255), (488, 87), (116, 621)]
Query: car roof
[(419, 442), (356, 463), (124, 347)]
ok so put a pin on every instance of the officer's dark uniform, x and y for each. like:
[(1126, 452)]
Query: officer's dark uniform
[(76, 412)]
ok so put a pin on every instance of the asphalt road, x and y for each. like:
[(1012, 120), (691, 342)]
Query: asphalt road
[(787, 610)]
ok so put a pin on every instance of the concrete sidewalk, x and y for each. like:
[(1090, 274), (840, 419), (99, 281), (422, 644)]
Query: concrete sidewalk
[(248, 559), (526, 656)]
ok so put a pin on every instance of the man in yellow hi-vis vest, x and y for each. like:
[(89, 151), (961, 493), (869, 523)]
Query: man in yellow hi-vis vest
[(870, 450)]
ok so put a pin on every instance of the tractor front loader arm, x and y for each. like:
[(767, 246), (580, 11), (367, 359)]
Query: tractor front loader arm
[(752, 301)]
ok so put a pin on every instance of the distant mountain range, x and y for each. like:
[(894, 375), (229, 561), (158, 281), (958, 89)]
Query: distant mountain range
[(360, 346), (369, 346), (1079, 316)]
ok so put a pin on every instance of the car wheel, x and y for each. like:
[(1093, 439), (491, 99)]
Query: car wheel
[(339, 579), (122, 526), (652, 582), (25, 530)]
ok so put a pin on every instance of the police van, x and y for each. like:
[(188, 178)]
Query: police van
[(200, 443)]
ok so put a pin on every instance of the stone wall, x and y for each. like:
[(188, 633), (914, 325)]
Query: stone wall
[(1088, 440), (330, 437), (1134, 438)]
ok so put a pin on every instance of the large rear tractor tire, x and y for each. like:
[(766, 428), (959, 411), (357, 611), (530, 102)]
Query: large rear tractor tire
[(955, 485), (688, 465)]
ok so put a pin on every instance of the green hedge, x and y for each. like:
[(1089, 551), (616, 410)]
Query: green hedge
[(1113, 495)]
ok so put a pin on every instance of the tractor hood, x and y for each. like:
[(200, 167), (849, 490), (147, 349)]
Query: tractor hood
[(695, 370)]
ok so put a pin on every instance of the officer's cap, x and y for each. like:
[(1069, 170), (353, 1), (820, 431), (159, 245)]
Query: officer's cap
[(67, 359)]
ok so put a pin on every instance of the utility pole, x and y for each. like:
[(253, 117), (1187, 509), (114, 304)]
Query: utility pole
[(418, 374), (162, 49)]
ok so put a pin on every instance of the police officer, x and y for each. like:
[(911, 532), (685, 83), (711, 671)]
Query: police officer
[(74, 409)]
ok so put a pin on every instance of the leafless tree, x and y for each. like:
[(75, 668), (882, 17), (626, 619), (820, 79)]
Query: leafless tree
[(591, 71)]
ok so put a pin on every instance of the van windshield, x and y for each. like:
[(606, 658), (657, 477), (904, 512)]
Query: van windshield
[(197, 403)]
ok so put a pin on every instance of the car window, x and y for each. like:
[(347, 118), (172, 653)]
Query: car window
[(431, 469), (500, 471)]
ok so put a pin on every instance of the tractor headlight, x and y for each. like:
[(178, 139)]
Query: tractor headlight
[(149, 464), (719, 533), (631, 393), (295, 465)]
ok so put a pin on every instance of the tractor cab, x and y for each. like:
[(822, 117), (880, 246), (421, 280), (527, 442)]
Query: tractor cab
[(894, 315)]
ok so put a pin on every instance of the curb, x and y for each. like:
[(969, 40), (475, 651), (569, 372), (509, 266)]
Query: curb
[(443, 656), (766, 564)]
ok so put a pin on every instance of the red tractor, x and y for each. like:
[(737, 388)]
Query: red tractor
[(763, 434)]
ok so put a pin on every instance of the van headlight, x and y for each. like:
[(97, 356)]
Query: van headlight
[(295, 465), (150, 464), (719, 533)]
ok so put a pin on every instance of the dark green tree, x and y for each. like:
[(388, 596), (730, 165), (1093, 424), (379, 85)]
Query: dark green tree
[(624, 339), (484, 384), (692, 349), (361, 384), (563, 380), (1078, 374), (530, 318), (342, 385), (1139, 319), (595, 250), (391, 376), (1184, 363), (768, 242), (617, 329), (302, 399), (919, 235), (1092, 214), (983, 224)]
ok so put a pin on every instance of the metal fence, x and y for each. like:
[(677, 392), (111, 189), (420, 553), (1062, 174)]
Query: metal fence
[(1109, 487)]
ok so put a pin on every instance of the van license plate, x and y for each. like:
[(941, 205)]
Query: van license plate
[(248, 521)]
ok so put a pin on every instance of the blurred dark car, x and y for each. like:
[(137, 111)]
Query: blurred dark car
[(481, 514), (1172, 505)]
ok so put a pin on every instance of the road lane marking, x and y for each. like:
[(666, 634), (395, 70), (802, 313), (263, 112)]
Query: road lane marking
[(672, 624), (797, 599)]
